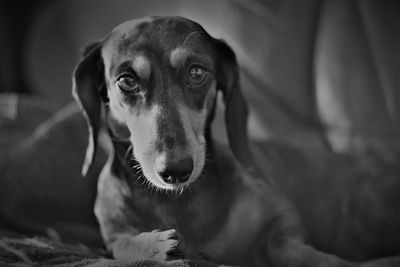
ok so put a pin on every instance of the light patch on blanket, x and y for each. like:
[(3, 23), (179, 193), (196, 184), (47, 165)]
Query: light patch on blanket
[(9, 106), (20, 254)]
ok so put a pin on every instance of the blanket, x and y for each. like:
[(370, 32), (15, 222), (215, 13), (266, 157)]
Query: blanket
[(40, 251)]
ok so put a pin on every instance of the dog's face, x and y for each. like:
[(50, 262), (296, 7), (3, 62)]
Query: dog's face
[(161, 75), (160, 79)]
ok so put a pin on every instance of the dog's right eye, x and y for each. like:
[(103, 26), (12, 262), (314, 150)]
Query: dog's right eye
[(128, 84)]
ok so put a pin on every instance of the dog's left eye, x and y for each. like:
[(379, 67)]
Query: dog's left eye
[(197, 75), (128, 84)]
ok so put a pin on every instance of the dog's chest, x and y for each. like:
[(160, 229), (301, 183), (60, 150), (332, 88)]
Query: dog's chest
[(197, 216), (224, 228), (240, 238)]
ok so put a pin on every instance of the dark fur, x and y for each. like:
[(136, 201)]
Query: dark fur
[(230, 214)]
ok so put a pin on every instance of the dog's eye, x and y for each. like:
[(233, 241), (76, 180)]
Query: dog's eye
[(128, 84), (197, 75)]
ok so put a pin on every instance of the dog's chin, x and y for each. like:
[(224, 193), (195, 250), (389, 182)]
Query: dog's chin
[(159, 184)]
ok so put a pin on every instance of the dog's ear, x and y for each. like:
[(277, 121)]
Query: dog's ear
[(236, 110), (88, 81)]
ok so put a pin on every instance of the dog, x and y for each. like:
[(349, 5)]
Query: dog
[(168, 190)]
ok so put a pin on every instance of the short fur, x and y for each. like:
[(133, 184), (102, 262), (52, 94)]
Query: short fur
[(225, 212)]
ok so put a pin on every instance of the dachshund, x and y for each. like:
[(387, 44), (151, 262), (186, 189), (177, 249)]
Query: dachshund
[(168, 190)]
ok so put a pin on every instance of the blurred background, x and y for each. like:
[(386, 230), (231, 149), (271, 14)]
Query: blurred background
[(310, 67), (322, 79)]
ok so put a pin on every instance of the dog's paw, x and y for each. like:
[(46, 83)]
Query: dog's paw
[(156, 245)]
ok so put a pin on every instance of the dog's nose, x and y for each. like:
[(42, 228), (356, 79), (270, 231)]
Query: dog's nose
[(177, 171)]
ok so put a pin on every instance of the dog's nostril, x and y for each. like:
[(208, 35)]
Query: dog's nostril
[(177, 172), (169, 179)]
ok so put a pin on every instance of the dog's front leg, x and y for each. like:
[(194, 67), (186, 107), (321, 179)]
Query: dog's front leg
[(117, 225)]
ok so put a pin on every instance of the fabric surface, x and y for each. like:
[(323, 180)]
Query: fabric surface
[(43, 252)]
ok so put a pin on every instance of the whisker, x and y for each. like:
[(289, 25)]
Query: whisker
[(128, 151)]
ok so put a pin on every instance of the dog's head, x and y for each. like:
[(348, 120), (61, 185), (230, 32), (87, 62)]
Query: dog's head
[(161, 76)]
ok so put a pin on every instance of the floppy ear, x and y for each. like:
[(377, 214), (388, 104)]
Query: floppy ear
[(87, 82), (235, 105)]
